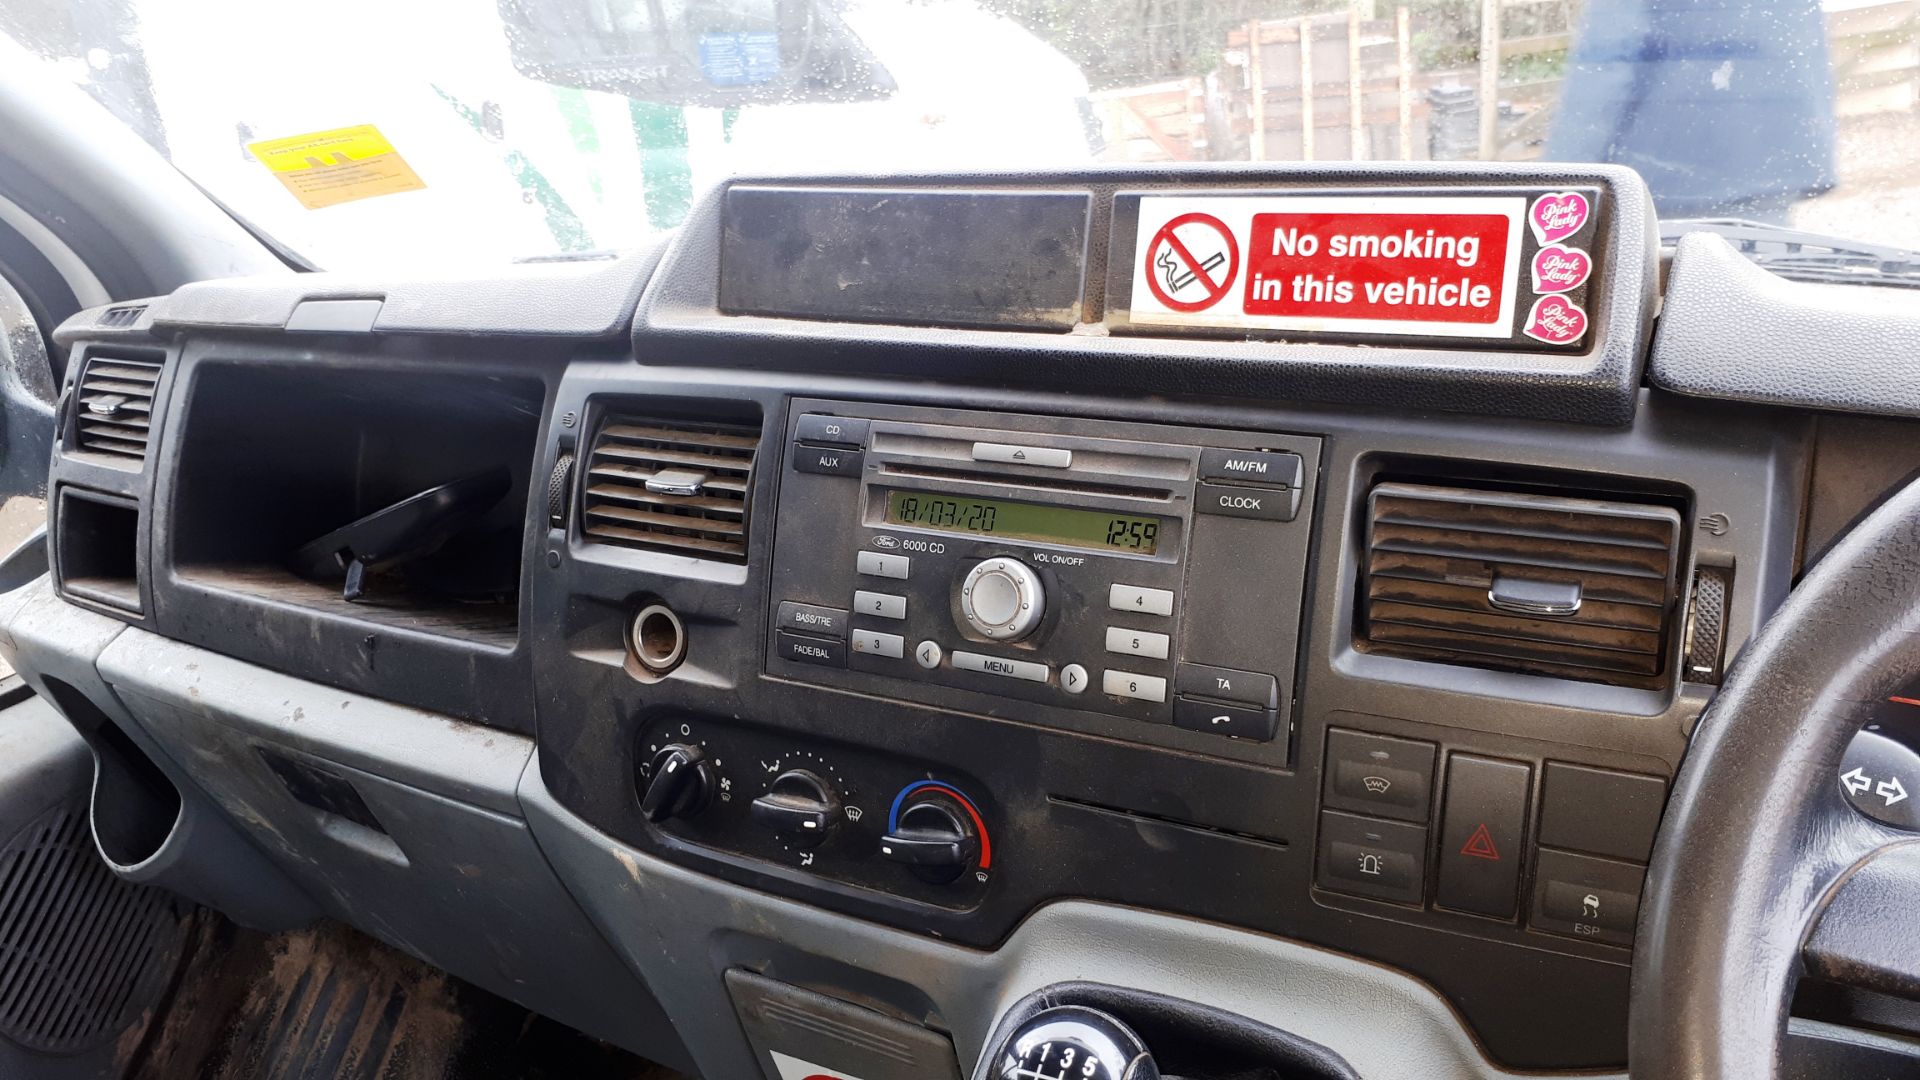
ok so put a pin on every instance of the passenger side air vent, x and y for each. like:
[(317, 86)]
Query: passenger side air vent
[(1574, 588), (674, 484), (115, 402)]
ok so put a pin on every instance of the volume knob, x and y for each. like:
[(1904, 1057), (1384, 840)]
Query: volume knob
[(1002, 599)]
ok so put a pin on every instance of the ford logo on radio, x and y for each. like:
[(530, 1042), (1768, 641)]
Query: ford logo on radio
[(886, 542)]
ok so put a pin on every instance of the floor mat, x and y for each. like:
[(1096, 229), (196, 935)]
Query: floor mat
[(330, 1003)]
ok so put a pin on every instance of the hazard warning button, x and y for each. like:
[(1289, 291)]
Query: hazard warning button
[(1480, 834)]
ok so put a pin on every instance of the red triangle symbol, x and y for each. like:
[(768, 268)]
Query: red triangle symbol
[(1480, 845)]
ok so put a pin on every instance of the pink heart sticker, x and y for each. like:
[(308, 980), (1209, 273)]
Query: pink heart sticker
[(1557, 269), (1556, 320), (1558, 215)]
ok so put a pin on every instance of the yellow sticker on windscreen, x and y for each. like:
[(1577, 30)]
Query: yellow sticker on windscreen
[(329, 167)]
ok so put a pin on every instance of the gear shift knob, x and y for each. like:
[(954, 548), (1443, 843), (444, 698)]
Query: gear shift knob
[(1071, 1042)]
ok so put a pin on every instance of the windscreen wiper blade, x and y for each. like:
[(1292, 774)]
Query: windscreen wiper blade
[(1805, 256)]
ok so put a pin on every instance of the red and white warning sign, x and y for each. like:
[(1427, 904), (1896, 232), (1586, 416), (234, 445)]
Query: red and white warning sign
[(793, 1068), (1431, 266)]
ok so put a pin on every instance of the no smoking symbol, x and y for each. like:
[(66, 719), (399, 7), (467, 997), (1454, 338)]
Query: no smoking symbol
[(1191, 262)]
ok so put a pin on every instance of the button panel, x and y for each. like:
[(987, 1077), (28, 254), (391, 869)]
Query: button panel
[(1000, 665), (813, 619), (1227, 684), (830, 460), (1046, 457), (1587, 898), (876, 643), (1374, 774), (878, 605), (1601, 811), (1127, 684), (831, 430), (806, 649), (1491, 855), (881, 564), (1141, 599), (1480, 835), (1216, 718), (1137, 643), (1386, 860)]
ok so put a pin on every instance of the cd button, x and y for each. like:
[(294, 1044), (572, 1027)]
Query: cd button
[(839, 430)]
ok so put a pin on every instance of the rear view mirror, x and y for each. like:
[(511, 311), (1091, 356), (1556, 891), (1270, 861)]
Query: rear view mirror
[(695, 52)]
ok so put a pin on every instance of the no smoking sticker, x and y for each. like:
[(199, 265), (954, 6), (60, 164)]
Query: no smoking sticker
[(1192, 261), (1446, 266)]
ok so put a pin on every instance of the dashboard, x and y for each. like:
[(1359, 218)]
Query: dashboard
[(906, 592)]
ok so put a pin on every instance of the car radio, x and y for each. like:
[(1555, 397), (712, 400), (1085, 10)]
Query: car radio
[(1119, 578)]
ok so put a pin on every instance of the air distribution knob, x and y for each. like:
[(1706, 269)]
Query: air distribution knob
[(679, 783), (1002, 599), (1077, 1043)]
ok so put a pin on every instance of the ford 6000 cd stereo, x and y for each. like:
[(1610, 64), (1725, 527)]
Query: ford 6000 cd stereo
[(1122, 579)]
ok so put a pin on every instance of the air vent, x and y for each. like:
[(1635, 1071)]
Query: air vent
[(125, 315), (1574, 588), (116, 402), (673, 484)]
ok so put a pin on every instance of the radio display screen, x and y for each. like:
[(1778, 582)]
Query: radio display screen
[(1065, 525)]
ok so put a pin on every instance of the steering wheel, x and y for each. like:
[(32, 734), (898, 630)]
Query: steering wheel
[(1762, 870)]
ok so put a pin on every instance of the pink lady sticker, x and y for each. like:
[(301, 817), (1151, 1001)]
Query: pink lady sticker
[(1557, 215), (1556, 320), (1557, 269)]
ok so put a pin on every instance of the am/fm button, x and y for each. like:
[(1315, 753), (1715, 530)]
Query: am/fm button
[(1250, 467)]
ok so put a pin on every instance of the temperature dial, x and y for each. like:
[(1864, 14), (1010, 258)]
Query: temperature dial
[(1002, 599)]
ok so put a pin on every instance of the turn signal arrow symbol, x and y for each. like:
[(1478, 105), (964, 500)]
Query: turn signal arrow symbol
[(1480, 845), (1856, 781), (1891, 791)]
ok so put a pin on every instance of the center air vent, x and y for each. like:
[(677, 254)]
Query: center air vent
[(1575, 588), (673, 484), (116, 402)]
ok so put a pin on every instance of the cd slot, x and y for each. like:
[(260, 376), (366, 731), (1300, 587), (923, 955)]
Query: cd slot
[(898, 471)]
